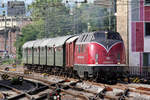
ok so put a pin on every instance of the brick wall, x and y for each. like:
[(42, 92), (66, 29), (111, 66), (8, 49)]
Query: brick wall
[(11, 35), (122, 22)]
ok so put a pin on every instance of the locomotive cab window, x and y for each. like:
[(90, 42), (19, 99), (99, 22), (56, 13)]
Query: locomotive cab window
[(99, 36), (147, 29), (114, 36)]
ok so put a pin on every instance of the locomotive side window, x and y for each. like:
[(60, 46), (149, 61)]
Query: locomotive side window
[(79, 49), (118, 56), (96, 58), (82, 48)]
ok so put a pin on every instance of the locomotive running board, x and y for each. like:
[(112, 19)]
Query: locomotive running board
[(100, 64)]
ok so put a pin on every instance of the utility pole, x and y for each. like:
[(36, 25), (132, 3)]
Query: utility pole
[(109, 11), (76, 19), (5, 31), (109, 4), (5, 35)]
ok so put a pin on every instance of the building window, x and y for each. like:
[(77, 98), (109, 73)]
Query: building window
[(146, 59), (147, 29), (147, 1)]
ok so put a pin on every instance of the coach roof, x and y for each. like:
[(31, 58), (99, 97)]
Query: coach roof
[(29, 44), (37, 43), (58, 41), (72, 39), (45, 42)]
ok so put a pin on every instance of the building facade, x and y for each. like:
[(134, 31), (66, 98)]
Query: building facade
[(3, 8), (9, 36), (12, 17), (133, 23)]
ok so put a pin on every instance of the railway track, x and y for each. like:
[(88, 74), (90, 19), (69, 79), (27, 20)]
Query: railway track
[(72, 88), (47, 85)]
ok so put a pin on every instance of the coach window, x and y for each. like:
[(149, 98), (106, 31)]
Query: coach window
[(146, 59), (147, 29), (42, 48)]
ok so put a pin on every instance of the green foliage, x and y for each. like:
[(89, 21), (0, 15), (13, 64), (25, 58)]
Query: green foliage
[(29, 32), (7, 61)]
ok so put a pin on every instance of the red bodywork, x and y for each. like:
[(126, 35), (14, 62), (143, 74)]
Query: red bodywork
[(70, 49), (96, 53)]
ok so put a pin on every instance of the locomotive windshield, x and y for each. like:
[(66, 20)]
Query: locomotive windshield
[(114, 36), (99, 36), (107, 36)]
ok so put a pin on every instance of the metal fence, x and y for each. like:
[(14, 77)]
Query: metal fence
[(139, 71)]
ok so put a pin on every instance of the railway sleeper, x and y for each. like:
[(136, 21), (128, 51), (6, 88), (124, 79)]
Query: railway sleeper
[(100, 95), (17, 97), (123, 95), (37, 90)]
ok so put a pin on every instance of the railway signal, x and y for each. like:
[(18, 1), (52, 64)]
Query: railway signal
[(55, 95), (17, 80)]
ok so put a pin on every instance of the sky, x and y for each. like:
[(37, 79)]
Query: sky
[(90, 1), (26, 1), (30, 1)]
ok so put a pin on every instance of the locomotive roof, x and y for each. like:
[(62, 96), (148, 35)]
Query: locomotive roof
[(29, 44), (98, 35), (58, 41), (72, 39)]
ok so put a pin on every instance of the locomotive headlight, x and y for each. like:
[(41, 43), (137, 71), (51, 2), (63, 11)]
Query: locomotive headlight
[(118, 58), (118, 62)]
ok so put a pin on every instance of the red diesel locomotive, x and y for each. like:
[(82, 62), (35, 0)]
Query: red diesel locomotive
[(99, 52)]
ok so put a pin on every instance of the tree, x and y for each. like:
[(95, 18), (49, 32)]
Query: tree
[(29, 32)]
